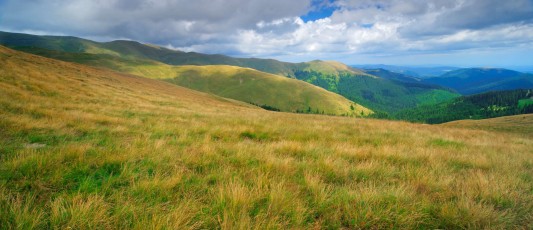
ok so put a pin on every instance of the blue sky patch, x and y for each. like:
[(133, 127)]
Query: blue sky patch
[(321, 9)]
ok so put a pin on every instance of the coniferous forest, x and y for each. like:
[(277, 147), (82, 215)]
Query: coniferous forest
[(480, 106)]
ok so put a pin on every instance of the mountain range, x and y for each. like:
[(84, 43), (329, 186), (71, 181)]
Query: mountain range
[(367, 90), (479, 80), (415, 71), (277, 85)]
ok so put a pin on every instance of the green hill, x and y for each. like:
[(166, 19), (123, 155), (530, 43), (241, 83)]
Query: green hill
[(377, 93), (370, 91), (261, 88), (479, 106), (133, 49), (266, 90)]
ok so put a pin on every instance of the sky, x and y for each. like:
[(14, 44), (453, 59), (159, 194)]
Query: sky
[(465, 33)]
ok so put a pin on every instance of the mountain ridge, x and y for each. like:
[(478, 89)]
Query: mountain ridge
[(471, 81), (368, 90)]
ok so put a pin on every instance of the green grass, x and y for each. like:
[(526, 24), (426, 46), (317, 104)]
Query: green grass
[(524, 102), (434, 97), (129, 152)]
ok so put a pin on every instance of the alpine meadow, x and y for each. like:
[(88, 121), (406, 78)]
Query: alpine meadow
[(235, 114)]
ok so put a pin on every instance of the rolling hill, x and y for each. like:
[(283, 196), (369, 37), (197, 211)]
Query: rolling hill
[(136, 50), (86, 148), (372, 92), (479, 80), (520, 124), (244, 84), (479, 106), (267, 90)]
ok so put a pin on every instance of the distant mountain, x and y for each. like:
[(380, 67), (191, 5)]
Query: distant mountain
[(419, 72), (479, 80), (383, 73), (479, 106), (376, 93)]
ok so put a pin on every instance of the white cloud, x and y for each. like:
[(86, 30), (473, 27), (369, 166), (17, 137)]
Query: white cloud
[(273, 28)]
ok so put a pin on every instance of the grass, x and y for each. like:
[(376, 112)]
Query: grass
[(517, 124), (157, 62), (119, 151), (260, 88), (330, 68), (524, 102), (233, 82)]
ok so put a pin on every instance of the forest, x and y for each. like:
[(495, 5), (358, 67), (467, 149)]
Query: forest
[(479, 106)]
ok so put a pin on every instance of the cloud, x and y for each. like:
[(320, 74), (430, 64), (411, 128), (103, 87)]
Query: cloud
[(178, 21), (275, 28)]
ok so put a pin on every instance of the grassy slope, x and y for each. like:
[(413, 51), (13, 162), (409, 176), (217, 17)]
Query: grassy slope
[(238, 83), (263, 89), (328, 67), (87, 148), (371, 92), (520, 124), (132, 49)]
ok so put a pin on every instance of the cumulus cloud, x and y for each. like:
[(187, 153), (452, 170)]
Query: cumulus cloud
[(275, 28)]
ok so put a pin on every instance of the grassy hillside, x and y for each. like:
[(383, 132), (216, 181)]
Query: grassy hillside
[(479, 106), (371, 92), (86, 148), (519, 124), (265, 89), (132, 49), (244, 84), (480, 80)]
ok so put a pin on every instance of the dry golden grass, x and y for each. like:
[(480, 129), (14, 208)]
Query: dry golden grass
[(84, 148), (519, 124)]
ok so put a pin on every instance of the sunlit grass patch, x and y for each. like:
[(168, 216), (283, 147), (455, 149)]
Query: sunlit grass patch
[(163, 157)]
